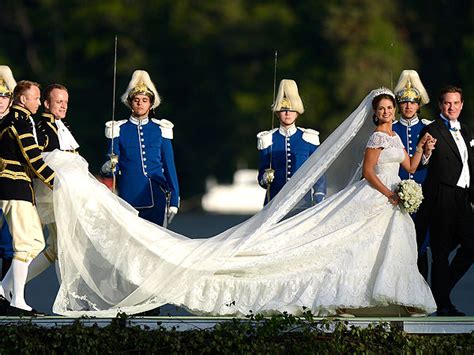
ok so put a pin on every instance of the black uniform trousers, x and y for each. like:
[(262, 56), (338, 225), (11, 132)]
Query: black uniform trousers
[(451, 223)]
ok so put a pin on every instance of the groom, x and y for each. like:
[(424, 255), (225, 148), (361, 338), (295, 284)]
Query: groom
[(449, 190)]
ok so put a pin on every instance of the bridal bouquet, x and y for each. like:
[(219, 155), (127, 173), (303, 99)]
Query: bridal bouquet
[(410, 194)]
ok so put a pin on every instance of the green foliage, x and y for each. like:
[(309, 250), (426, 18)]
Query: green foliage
[(278, 334)]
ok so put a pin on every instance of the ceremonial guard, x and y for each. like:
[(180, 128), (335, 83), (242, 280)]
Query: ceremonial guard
[(54, 133), (283, 150), (411, 96), (7, 84), (141, 154), (21, 160)]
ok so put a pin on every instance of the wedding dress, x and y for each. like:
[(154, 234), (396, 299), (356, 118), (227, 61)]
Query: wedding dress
[(353, 250)]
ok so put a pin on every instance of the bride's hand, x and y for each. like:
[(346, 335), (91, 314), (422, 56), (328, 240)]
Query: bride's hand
[(394, 199), (425, 139)]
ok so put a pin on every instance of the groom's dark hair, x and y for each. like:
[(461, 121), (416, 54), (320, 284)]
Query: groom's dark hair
[(449, 89)]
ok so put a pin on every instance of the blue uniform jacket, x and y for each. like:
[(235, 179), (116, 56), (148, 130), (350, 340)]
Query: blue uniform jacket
[(288, 149), (145, 161), (409, 132), (6, 247)]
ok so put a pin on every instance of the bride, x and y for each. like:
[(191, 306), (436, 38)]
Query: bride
[(354, 250)]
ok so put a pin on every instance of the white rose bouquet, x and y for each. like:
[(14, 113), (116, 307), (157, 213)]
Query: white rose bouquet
[(410, 194)]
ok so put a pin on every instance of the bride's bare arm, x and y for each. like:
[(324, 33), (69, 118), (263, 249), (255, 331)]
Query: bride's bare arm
[(371, 158), (426, 143)]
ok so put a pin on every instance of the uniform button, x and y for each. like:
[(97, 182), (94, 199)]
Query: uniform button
[(289, 166), (289, 160), (410, 148), (144, 153), (411, 155), (144, 166), (409, 135), (143, 146), (289, 154), (144, 159), (140, 127), (141, 133), (142, 140), (409, 141)]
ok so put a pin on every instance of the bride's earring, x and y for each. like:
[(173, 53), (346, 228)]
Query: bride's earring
[(375, 119)]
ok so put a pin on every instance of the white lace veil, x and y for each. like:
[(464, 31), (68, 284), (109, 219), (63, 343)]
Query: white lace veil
[(111, 260)]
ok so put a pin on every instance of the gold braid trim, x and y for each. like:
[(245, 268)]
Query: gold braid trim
[(26, 135), (35, 159), (33, 146), (5, 162), (27, 158), (4, 131), (15, 175), (12, 162), (22, 109), (33, 198), (50, 178), (53, 127), (41, 168)]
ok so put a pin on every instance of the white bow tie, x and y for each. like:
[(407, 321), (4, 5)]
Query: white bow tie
[(455, 125)]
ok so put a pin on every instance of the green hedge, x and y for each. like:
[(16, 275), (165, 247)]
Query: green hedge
[(279, 334)]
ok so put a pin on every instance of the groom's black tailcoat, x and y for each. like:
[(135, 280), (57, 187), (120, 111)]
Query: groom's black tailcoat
[(446, 211)]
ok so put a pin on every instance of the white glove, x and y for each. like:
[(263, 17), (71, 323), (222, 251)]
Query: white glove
[(173, 211), (108, 167), (268, 176)]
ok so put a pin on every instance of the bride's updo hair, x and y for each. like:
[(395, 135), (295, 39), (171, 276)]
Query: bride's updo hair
[(379, 95)]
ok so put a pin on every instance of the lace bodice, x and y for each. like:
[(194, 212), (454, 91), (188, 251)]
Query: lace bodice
[(391, 156)]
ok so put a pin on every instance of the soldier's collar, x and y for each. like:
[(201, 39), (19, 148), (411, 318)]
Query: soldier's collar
[(22, 109), (49, 116), (138, 122), (411, 122), (287, 132)]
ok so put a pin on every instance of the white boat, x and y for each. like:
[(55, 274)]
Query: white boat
[(243, 196)]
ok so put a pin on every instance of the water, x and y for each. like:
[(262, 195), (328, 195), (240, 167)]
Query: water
[(41, 291)]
